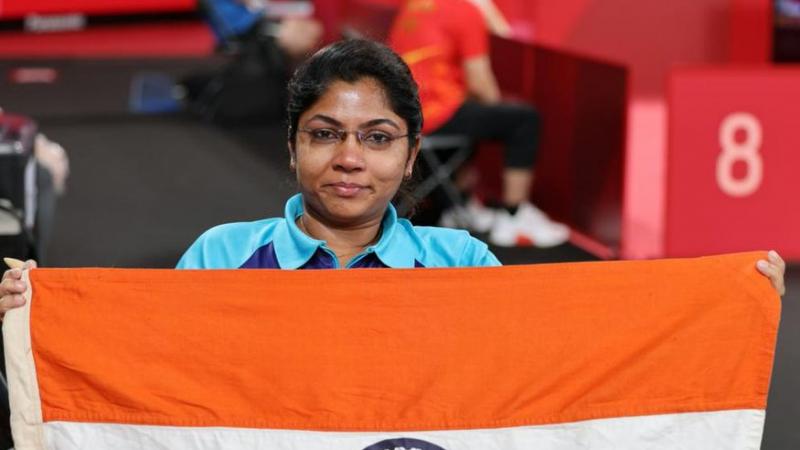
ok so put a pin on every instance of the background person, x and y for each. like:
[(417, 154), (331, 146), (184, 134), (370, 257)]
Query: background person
[(264, 46), (446, 45)]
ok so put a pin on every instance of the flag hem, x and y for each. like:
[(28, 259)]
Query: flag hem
[(24, 399)]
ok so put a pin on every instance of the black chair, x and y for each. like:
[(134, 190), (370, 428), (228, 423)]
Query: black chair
[(18, 192), (442, 156)]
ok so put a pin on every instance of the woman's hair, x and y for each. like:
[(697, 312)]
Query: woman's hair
[(350, 61)]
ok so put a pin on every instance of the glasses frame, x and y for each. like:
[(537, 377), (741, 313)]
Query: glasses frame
[(342, 134)]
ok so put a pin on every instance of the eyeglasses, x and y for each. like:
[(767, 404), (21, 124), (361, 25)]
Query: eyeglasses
[(372, 139)]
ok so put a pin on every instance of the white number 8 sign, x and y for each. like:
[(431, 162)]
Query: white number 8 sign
[(745, 151)]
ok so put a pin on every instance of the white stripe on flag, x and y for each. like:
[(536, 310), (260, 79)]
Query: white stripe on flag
[(731, 430)]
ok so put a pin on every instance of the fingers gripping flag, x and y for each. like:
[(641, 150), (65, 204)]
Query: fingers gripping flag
[(621, 355)]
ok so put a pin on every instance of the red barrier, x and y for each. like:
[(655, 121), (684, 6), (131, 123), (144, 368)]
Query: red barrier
[(15, 9), (146, 40), (733, 161), (583, 104), (751, 28)]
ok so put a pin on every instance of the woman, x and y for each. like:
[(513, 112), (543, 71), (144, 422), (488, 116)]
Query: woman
[(354, 130), (354, 134)]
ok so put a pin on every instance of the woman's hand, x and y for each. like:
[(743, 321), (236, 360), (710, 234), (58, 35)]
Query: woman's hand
[(12, 288), (773, 268)]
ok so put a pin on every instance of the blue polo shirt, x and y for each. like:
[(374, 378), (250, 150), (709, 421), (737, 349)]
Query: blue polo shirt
[(278, 243)]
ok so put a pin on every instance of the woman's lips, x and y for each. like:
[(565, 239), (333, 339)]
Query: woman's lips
[(347, 189)]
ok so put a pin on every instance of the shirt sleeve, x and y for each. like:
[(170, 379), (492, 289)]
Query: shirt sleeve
[(193, 257), (468, 30), (224, 246), (477, 254), (488, 260)]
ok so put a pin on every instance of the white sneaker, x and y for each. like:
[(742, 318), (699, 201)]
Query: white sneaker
[(473, 216), (528, 227)]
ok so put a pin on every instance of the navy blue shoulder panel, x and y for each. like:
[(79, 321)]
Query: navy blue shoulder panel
[(263, 258)]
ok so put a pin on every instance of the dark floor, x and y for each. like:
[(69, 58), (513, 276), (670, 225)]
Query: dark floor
[(142, 188)]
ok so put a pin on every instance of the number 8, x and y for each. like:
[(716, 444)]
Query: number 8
[(746, 151)]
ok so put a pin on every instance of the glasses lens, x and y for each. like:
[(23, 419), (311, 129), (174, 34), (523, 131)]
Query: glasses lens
[(323, 136), (377, 139)]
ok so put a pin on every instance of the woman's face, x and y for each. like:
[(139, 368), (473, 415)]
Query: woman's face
[(350, 183)]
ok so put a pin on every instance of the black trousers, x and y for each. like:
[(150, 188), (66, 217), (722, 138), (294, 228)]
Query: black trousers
[(516, 125)]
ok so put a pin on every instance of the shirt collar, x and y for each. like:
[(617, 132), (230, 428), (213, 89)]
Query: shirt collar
[(293, 248), (394, 248)]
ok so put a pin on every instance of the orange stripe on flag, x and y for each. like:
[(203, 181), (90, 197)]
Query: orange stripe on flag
[(403, 349)]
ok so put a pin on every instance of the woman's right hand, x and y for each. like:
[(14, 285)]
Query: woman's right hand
[(12, 288)]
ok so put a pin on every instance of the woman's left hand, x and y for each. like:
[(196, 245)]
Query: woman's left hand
[(773, 268)]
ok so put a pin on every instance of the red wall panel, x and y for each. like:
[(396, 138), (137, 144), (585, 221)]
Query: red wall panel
[(732, 177), (648, 36)]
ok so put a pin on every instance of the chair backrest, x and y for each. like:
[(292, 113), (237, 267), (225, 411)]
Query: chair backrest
[(17, 163), (442, 156), (444, 141)]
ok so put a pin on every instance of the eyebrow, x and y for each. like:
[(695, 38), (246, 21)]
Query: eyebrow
[(368, 124)]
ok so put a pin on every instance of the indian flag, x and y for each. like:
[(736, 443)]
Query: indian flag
[(670, 354)]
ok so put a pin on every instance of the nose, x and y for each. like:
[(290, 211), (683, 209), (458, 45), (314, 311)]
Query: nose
[(349, 155)]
